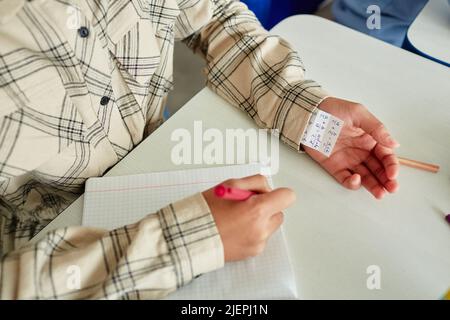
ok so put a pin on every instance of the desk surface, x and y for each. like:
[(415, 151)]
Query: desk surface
[(334, 234), (430, 31)]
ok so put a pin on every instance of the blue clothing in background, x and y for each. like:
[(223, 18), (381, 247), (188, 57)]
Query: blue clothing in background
[(270, 12), (396, 17)]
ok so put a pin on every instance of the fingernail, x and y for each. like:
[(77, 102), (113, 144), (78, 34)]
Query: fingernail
[(393, 142), (354, 180)]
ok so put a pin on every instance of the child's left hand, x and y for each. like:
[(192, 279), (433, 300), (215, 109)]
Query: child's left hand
[(364, 153)]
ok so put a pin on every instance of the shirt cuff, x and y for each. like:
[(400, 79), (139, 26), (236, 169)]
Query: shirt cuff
[(192, 238), (296, 108)]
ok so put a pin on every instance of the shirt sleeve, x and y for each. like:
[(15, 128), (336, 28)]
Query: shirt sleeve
[(258, 72), (146, 260)]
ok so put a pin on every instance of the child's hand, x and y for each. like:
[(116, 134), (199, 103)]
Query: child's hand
[(245, 226), (364, 152)]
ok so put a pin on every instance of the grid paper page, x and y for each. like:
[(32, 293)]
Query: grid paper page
[(112, 202)]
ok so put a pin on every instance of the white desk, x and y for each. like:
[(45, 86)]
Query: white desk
[(429, 34), (334, 234)]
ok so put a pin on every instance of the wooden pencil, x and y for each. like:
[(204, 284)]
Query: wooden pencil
[(419, 165)]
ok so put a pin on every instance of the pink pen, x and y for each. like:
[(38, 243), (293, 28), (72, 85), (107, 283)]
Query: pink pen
[(229, 193)]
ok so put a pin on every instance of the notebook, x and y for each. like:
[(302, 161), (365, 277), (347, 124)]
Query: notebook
[(268, 276)]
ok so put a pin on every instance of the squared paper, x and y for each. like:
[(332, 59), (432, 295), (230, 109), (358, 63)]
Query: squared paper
[(112, 202)]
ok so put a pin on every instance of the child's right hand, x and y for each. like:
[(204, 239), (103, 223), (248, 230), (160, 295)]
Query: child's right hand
[(245, 226)]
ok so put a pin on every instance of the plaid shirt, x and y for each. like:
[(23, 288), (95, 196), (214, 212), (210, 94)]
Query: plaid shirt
[(84, 81)]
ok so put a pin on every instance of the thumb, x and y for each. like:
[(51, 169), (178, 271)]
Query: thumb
[(276, 200), (370, 124)]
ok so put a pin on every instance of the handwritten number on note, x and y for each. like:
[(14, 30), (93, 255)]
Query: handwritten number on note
[(322, 132)]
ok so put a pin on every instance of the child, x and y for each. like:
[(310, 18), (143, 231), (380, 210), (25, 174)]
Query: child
[(81, 85)]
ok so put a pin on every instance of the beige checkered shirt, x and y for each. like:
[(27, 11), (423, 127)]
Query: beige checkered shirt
[(84, 81)]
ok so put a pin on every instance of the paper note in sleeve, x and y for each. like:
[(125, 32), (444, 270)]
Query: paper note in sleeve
[(322, 132)]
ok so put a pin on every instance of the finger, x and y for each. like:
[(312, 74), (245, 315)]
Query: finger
[(389, 161), (365, 141), (347, 179), (370, 124), (369, 181), (257, 183), (378, 170), (275, 222), (274, 201), (277, 218)]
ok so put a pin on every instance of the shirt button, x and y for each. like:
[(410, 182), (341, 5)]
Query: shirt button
[(104, 101), (83, 32)]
